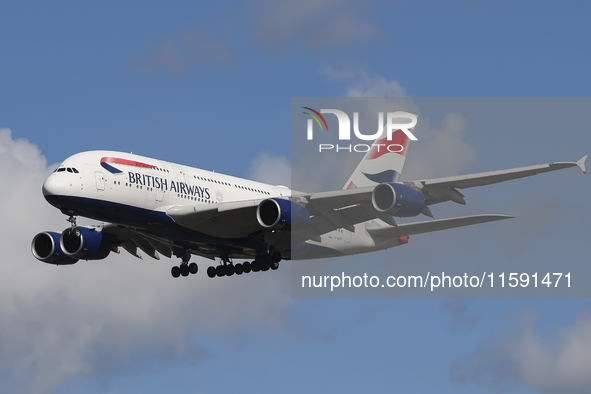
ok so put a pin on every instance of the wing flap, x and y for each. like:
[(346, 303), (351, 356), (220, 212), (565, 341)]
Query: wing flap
[(131, 239)]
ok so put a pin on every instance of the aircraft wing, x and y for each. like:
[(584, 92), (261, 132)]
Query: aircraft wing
[(344, 208), (328, 211), (224, 220), (347, 207), (444, 189)]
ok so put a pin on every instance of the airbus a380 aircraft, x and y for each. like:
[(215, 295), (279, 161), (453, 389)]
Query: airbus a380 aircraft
[(169, 209)]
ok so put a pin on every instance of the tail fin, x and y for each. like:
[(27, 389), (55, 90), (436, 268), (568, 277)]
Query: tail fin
[(383, 162)]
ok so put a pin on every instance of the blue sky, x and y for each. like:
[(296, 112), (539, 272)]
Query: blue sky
[(210, 86)]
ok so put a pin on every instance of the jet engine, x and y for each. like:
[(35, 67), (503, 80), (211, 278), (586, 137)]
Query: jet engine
[(397, 199), (84, 243), (46, 247), (278, 213)]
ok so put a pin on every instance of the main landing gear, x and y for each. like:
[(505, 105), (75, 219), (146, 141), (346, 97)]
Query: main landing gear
[(185, 268), (260, 263)]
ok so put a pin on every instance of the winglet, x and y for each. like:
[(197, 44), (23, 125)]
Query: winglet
[(581, 164)]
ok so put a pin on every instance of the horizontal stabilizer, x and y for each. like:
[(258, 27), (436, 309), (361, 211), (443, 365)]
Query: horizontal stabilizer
[(432, 225)]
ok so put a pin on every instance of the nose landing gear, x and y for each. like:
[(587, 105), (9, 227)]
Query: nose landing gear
[(72, 220)]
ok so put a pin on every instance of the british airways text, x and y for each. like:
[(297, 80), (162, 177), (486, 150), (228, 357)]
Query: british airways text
[(161, 183)]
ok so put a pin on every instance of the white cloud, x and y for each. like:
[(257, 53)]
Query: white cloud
[(558, 365), (361, 83), (64, 323), (376, 86), (313, 24), (271, 169), (441, 149), (181, 52)]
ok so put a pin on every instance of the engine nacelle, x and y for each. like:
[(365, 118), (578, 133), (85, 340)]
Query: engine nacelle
[(282, 214), (397, 199), (46, 247), (84, 243)]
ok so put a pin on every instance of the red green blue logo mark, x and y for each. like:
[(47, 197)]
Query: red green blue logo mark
[(316, 117)]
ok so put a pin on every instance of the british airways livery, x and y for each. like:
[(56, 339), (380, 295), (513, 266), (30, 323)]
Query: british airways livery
[(164, 208)]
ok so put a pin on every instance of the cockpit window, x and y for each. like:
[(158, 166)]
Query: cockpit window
[(71, 170)]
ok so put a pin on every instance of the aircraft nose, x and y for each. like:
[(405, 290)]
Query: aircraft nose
[(50, 186), (53, 190)]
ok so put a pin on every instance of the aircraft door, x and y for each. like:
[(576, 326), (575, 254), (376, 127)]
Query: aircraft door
[(180, 173), (99, 177), (159, 195)]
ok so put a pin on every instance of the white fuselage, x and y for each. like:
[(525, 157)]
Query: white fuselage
[(139, 183)]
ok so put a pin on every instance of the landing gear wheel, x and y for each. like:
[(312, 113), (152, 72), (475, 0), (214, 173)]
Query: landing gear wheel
[(175, 271), (274, 266), (255, 266), (229, 270), (265, 263), (193, 268), (220, 271), (184, 269), (246, 267), (275, 257), (211, 272)]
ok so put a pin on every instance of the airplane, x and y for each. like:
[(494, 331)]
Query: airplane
[(163, 208)]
